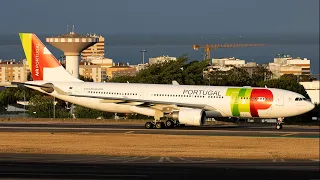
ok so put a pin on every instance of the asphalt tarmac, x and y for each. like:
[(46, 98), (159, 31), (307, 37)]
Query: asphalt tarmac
[(256, 130), (53, 166), (40, 166)]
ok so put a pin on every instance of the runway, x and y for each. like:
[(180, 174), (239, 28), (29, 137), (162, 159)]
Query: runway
[(257, 130), (40, 166), (63, 166)]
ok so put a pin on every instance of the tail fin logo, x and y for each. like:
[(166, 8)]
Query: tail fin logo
[(38, 56), (36, 63)]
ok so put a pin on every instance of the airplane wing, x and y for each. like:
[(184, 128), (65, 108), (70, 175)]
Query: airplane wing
[(148, 103), (160, 105)]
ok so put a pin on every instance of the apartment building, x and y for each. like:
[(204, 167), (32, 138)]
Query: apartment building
[(12, 71), (94, 71), (285, 64), (120, 70), (228, 62), (95, 50)]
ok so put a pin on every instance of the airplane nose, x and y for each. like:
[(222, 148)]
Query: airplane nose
[(309, 106)]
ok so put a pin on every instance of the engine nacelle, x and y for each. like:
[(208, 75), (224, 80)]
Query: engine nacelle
[(194, 117)]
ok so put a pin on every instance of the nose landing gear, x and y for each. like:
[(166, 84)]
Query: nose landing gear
[(279, 123)]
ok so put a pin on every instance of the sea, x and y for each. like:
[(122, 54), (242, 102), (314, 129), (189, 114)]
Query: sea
[(125, 48)]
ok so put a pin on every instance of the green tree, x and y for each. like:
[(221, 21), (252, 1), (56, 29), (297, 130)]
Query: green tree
[(122, 79), (193, 72), (86, 79), (84, 112), (41, 106), (288, 82)]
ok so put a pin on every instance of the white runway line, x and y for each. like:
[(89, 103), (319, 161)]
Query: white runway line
[(144, 158), (161, 159), (168, 159), (316, 160), (129, 132)]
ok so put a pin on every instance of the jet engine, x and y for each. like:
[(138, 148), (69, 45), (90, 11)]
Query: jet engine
[(194, 117)]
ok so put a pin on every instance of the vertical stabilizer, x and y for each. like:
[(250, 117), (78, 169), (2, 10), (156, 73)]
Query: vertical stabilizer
[(43, 65)]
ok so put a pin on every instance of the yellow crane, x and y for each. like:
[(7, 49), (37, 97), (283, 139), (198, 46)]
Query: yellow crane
[(208, 47)]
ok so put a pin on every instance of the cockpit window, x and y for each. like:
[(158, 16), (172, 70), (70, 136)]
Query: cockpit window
[(301, 99)]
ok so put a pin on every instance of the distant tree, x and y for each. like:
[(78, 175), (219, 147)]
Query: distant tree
[(288, 82), (29, 76), (122, 79), (261, 74), (41, 106), (86, 79), (84, 112)]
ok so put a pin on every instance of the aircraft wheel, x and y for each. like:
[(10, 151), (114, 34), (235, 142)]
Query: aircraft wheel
[(159, 125), (169, 123), (279, 126), (148, 125), (177, 124)]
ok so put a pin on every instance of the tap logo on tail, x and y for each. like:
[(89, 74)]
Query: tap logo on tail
[(249, 100), (38, 56)]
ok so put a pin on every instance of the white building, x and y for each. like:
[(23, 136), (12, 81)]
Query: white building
[(160, 59), (313, 90), (11, 71), (103, 61), (140, 67), (228, 61), (285, 64), (93, 71), (95, 50)]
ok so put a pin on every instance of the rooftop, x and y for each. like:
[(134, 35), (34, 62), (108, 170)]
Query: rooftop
[(74, 35)]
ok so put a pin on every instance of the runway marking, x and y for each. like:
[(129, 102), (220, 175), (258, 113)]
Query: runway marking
[(316, 160), (161, 159), (275, 160), (199, 161), (122, 129), (129, 132), (289, 134), (168, 159), (137, 159), (117, 158)]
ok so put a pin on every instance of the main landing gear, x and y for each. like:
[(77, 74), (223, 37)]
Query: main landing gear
[(279, 123), (161, 125)]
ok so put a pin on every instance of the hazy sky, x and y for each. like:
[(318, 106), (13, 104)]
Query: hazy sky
[(160, 16)]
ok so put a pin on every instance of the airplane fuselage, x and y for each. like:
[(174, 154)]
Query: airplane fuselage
[(218, 101)]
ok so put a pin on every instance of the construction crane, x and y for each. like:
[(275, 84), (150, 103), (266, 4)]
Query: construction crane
[(208, 47)]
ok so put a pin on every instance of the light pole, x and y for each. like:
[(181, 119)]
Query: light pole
[(54, 107), (143, 51), (24, 102)]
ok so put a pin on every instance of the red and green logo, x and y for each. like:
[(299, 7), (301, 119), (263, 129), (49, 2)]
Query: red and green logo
[(249, 100)]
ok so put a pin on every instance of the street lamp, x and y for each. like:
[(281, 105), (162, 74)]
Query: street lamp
[(143, 51), (54, 107)]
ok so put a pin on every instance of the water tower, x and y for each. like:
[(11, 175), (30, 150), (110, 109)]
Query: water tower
[(72, 44)]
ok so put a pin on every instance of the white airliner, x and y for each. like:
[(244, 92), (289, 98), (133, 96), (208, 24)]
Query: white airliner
[(179, 104)]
